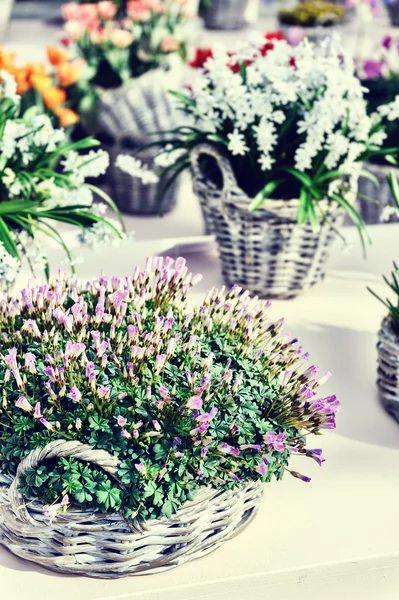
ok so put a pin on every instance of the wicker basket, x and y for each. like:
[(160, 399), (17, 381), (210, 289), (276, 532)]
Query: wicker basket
[(388, 368), (371, 211), (130, 193), (130, 115), (265, 251), (226, 15), (106, 545)]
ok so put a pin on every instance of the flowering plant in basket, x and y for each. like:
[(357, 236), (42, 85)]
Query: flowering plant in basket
[(185, 398), (292, 122), (118, 46), (42, 180), (388, 347), (52, 89)]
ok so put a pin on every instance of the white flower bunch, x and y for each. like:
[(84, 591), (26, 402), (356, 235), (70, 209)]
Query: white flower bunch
[(306, 93), (135, 168), (43, 179)]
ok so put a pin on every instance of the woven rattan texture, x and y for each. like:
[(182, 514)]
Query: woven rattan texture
[(265, 251), (388, 368), (226, 15), (130, 115), (371, 211), (105, 545)]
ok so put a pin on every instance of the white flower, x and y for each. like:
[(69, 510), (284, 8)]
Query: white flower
[(8, 86), (82, 166), (168, 157), (388, 212), (135, 168), (237, 145), (9, 267)]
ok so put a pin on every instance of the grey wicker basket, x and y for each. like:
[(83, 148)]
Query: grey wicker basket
[(106, 545), (388, 368), (265, 251), (226, 15), (371, 211), (130, 115), (130, 193)]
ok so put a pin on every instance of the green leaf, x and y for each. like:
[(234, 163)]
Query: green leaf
[(5, 237), (305, 179), (109, 201), (269, 188), (185, 99), (354, 216), (303, 206), (393, 184)]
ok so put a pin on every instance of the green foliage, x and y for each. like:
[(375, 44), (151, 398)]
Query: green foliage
[(183, 399), (393, 307)]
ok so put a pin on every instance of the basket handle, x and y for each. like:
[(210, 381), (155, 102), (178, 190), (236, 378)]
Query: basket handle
[(229, 182), (57, 449)]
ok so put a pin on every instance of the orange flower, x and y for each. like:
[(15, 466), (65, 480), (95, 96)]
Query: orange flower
[(56, 56), (36, 69), (54, 97), (41, 82), (67, 116), (6, 59), (68, 72), (22, 80)]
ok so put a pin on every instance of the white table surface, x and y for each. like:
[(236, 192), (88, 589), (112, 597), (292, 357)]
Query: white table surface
[(334, 538)]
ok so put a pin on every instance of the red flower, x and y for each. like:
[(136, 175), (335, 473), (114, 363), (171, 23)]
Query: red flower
[(201, 56), (66, 41), (272, 35)]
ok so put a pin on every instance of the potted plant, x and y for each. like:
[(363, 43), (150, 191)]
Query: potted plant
[(42, 184), (54, 90), (388, 348), (132, 57), (139, 418), (316, 19), (276, 138), (380, 75)]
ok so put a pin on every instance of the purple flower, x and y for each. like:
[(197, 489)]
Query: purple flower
[(126, 434), (37, 414), (325, 378), (207, 417), (78, 424), (387, 42), (121, 421), (23, 403), (256, 447), (373, 68), (178, 454), (276, 441), (74, 349), (30, 362), (46, 424), (141, 468), (163, 391), (103, 391), (157, 426), (177, 441), (74, 394), (316, 455), (262, 468), (227, 449), (194, 402), (300, 476)]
